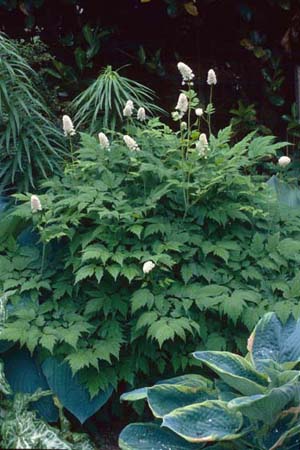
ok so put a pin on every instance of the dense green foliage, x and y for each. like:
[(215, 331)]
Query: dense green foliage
[(224, 254), (32, 147), (254, 402)]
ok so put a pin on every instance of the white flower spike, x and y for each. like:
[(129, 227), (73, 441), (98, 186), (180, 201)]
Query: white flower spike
[(284, 161), (199, 112), (131, 144), (128, 110), (68, 126), (148, 266), (182, 104), (35, 204), (202, 145), (141, 114), (103, 141), (186, 73), (211, 77)]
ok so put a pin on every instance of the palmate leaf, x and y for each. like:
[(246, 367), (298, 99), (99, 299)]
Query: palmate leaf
[(205, 422)]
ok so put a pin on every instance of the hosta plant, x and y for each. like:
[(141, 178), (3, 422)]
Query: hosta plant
[(253, 402)]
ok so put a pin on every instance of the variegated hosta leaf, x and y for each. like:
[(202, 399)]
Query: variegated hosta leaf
[(271, 340), (266, 407), (4, 386), (190, 380), (205, 422), (148, 436), (24, 430), (81, 441), (21, 429), (163, 398), (235, 371)]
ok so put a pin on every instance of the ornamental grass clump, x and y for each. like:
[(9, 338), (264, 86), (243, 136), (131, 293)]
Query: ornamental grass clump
[(221, 252)]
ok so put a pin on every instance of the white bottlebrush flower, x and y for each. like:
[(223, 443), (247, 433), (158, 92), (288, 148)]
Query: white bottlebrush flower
[(141, 114), (68, 126), (182, 104), (211, 77), (186, 73), (103, 140), (128, 110), (284, 161), (131, 144), (199, 112), (148, 266), (35, 204), (202, 145)]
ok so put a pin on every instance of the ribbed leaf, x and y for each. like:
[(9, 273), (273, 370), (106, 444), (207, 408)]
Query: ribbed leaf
[(205, 422), (163, 399), (235, 371), (271, 340), (148, 436), (266, 407)]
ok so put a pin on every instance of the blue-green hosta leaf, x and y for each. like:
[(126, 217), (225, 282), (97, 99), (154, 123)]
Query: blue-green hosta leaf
[(72, 394), (205, 422), (148, 436), (163, 398), (235, 371), (133, 396), (25, 375), (191, 380), (266, 407), (273, 341)]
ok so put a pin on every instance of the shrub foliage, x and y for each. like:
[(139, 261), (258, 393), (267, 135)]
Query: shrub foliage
[(224, 254)]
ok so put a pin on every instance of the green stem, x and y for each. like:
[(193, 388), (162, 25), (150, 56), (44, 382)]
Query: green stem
[(210, 102), (43, 257), (71, 149)]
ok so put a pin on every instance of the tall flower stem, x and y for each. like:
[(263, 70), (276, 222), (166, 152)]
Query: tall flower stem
[(210, 103), (71, 149)]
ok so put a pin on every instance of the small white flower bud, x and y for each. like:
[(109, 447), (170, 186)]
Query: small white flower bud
[(148, 266), (103, 140), (186, 72), (35, 204), (141, 114), (284, 161), (68, 126), (131, 144), (211, 77), (128, 110), (199, 112), (183, 126), (182, 104)]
